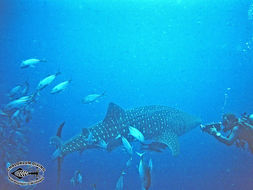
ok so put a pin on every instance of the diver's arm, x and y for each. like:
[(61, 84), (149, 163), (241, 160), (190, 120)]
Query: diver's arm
[(228, 140)]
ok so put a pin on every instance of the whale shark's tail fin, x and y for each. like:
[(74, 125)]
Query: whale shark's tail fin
[(59, 159), (57, 154)]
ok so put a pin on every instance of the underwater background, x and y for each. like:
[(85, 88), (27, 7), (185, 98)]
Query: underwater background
[(194, 55)]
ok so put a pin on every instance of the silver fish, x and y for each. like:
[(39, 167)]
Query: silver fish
[(47, 81), (136, 134), (30, 63), (77, 178), (19, 91), (15, 90), (92, 98), (3, 113), (127, 145), (60, 87), (18, 103), (120, 183), (145, 173), (15, 114)]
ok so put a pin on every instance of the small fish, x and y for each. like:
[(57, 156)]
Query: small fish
[(25, 89), (102, 144), (90, 139), (140, 154), (92, 98), (120, 182), (28, 118), (27, 113), (14, 91), (77, 178), (8, 164), (136, 134), (145, 173), (129, 162), (19, 134), (18, 91), (94, 186), (25, 98), (60, 87), (30, 63), (18, 103), (55, 141), (127, 145), (2, 113), (15, 114), (46, 81)]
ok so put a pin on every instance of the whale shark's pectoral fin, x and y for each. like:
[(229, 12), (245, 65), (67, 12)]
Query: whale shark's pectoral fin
[(171, 140)]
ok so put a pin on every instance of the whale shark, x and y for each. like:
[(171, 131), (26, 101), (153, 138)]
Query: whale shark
[(161, 124), (158, 123)]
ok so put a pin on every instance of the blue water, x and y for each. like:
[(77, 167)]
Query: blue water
[(182, 54)]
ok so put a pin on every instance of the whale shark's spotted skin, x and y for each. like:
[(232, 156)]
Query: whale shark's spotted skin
[(159, 123)]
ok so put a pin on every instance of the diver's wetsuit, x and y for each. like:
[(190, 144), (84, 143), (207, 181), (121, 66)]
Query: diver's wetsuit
[(239, 132)]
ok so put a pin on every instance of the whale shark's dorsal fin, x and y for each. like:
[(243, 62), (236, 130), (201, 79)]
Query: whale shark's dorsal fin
[(114, 112)]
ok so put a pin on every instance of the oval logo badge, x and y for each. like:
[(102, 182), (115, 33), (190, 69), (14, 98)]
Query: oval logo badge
[(26, 173)]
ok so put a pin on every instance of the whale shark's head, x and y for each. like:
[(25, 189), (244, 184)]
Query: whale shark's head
[(185, 123)]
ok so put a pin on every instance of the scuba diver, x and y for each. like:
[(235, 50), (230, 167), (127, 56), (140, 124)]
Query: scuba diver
[(240, 130)]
